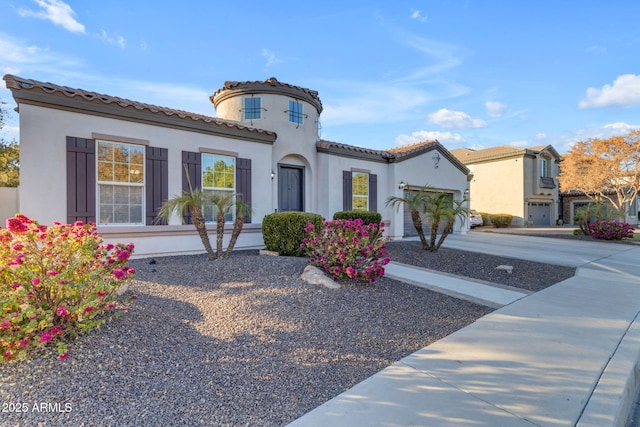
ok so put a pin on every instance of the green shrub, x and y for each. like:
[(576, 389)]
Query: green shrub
[(366, 216), (486, 220), (501, 220), (283, 232)]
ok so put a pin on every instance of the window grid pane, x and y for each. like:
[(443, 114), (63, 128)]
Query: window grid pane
[(120, 183), (360, 191), (218, 179), (295, 112), (252, 108)]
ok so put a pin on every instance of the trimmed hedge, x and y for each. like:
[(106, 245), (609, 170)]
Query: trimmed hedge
[(486, 220), (283, 231), (501, 220), (366, 216)]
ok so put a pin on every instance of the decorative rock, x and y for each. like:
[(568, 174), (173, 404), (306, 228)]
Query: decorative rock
[(507, 268), (266, 252), (315, 276)]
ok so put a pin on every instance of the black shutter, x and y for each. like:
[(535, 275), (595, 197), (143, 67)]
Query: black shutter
[(81, 180), (191, 174), (347, 191), (373, 192), (243, 183), (156, 182)]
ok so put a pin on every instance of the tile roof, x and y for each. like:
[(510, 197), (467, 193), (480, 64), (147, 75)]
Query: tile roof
[(467, 155), (390, 155), (270, 85), (15, 83)]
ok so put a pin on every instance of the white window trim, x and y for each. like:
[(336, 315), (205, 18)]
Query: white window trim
[(125, 184), (359, 196), (220, 189)]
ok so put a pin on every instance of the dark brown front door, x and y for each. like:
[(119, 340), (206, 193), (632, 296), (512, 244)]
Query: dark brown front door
[(290, 188)]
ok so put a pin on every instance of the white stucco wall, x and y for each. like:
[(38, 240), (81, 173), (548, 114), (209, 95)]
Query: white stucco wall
[(9, 203)]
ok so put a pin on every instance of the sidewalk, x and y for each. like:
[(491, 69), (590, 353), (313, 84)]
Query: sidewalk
[(565, 356)]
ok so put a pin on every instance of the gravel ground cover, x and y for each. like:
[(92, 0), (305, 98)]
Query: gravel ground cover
[(529, 275), (237, 342)]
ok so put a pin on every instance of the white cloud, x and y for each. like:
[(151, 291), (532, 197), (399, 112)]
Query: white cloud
[(455, 120), (57, 12), (624, 92), (417, 15), (114, 38), (423, 135), (541, 136), (519, 144), (271, 57), (494, 109)]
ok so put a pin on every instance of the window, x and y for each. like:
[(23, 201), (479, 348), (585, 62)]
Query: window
[(218, 179), (544, 168), (295, 112), (360, 191), (120, 183), (252, 108)]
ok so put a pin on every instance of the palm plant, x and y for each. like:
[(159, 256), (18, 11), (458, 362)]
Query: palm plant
[(223, 205), (437, 209), (415, 201), (442, 209), (192, 202)]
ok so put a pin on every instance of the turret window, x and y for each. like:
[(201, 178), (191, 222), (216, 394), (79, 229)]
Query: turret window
[(295, 112), (252, 108)]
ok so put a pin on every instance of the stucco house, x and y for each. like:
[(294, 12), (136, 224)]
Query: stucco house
[(113, 161), (518, 181)]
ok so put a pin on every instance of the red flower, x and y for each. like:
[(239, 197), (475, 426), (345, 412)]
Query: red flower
[(101, 294), (88, 309), (64, 356), (46, 337)]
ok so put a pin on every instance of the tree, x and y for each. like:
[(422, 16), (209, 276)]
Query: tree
[(193, 201), (9, 159), (438, 209), (604, 169)]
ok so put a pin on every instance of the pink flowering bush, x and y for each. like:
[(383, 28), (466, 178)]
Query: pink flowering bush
[(55, 282), (610, 230), (347, 249)]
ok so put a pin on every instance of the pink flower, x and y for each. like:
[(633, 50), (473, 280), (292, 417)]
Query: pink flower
[(109, 246), (8, 354), (56, 330), (24, 342), (15, 225), (35, 281), (18, 247), (64, 356), (5, 324), (101, 294), (52, 273), (111, 306), (62, 311), (88, 309), (130, 247), (122, 255), (16, 286), (119, 273), (46, 337), (351, 272)]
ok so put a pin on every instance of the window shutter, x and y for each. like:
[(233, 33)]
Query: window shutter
[(156, 182), (192, 168), (243, 183), (81, 180), (373, 192), (347, 202)]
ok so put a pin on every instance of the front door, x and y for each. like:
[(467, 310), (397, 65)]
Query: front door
[(290, 188)]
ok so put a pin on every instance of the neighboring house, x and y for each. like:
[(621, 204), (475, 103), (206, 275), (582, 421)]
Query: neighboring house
[(92, 157), (571, 201), (518, 181)]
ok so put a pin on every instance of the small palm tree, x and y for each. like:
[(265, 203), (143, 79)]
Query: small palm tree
[(442, 209), (415, 201), (242, 208), (224, 205), (192, 202), (436, 208)]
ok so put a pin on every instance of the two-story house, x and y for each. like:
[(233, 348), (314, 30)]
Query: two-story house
[(517, 181)]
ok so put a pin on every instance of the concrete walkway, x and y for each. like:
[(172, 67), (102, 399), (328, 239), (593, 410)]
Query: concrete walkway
[(565, 356)]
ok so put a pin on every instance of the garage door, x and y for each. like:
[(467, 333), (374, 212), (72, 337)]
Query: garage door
[(540, 213)]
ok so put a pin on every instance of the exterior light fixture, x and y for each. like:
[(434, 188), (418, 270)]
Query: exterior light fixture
[(402, 185), (466, 194), (273, 174)]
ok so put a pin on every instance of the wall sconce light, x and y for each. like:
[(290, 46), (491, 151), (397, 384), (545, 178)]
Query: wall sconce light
[(402, 185), (273, 174), (466, 194)]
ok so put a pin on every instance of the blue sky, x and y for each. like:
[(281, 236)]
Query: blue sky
[(470, 73)]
